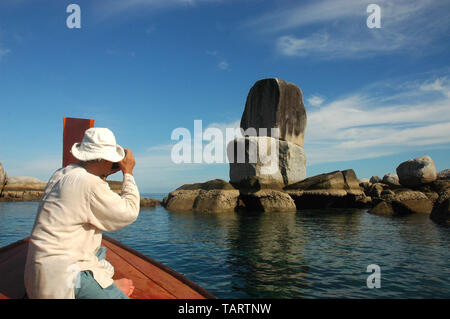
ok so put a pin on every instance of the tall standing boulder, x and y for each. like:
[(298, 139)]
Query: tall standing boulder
[(274, 103), (270, 157), (417, 171)]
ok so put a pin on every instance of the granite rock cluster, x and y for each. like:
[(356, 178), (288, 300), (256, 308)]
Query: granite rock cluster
[(416, 188), (273, 103)]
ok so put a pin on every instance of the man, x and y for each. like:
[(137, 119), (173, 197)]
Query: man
[(64, 258)]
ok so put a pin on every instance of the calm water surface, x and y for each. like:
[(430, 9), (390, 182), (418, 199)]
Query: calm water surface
[(307, 254)]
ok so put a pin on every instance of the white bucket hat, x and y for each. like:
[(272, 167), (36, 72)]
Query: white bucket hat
[(98, 143)]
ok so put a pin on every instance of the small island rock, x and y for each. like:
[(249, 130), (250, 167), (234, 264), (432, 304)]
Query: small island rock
[(417, 171)]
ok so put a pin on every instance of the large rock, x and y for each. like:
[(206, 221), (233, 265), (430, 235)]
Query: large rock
[(211, 196), (391, 180), (334, 180), (149, 202), (216, 200), (24, 183), (267, 200), (408, 201), (329, 198), (338, 189), (350, 179), (402, 202), (441, 209), (375, 179), (417, 171), (274, 103), (273, 162), (375, 190), (181, 200), (445, 174)]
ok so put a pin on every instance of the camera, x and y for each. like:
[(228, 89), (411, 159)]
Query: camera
[(116, 165)]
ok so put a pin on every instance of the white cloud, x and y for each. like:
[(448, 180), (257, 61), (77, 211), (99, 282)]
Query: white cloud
[(437, 85), (337, 28), (315, 100), (301, 15), (363, 126)]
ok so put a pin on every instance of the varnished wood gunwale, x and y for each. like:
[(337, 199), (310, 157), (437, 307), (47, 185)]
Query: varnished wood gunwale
[(152, 279)]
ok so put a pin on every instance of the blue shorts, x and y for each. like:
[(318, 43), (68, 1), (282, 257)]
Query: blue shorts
[(90, 289)]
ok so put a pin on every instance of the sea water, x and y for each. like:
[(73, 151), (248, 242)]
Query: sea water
[(303, 254)]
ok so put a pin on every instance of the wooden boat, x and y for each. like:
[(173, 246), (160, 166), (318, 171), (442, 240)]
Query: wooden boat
[(152, 280)]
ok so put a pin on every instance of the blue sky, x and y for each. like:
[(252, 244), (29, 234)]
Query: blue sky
[(374, 97)]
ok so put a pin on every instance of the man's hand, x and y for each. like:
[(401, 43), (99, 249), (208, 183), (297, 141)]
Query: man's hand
[(128, 163)]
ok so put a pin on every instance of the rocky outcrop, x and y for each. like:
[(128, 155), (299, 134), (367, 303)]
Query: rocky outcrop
[(146, 202), (418, 191), (212, 196), (441, 209), (274, 103), (272, 161), (268, 200), (395, 200), (375, 179), (329, 198), (24, 183), (417, 171), (391, 180), (444, 174), (181, 200), (338, 189), (333, 180), (25, 188), (22, 188), (401, 202)]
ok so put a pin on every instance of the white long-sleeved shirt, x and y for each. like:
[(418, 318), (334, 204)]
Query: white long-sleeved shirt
[(76, 207)]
